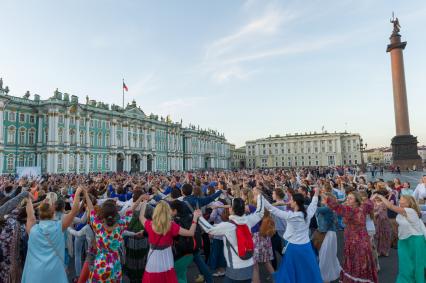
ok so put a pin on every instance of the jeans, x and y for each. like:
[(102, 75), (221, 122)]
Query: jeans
[(202, 266), (216, 259), (78, 251), (340, 224)]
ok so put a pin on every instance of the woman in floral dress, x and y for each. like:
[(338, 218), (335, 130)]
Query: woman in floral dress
[(383, 228), (358, 265), (108, 227)]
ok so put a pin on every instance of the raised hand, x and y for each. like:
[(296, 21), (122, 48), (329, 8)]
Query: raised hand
[(197, 214)]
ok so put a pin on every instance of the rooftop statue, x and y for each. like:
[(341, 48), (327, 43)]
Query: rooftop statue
[(396, 25)]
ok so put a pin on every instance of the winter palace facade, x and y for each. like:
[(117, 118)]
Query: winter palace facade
[(61, 135)]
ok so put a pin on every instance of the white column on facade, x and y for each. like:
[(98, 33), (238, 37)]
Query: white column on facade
[(50, 129), (56, 125), (67, 130), (125, 135), (55, 163), (137, 138), (144, 162), (77, 163), (153, 139), (77, 130), (40, 128), (86, 163), (66, 162), (113, 162), (38, 160), (87, 132), (1, 129), (113, 133), (109, 156), (145, 138), (1, 162), (154, 163)]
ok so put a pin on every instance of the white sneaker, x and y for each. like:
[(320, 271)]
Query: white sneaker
[(218, 273)]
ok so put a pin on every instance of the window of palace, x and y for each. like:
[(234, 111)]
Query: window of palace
[(10, 162), (72, 136), (72, 162), (99, 159), (11, 132), (21, 136), (81, 165), (44, 161), (31, 160), (32, 119), (11, 116), (99, 139), (21, 161), (31, 136), (22, 118), (81, 137), (61, 135), (119, 142), (107, 162), (60, 162)]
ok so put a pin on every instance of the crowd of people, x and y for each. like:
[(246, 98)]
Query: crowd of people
[(150, 227)]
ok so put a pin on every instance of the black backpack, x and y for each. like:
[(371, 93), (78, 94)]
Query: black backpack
[(183, 245)]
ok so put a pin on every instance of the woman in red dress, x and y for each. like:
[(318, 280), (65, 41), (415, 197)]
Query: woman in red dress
[(161, 230), (358, 265)]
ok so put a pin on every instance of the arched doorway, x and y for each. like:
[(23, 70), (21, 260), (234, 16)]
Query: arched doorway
[(149, 160), (120, 162), (242, 164), (135, 162)]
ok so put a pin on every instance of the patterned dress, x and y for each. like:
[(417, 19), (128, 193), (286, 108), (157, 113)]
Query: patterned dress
[(107, 265), (10, 259), (358, 265), (383, 229)]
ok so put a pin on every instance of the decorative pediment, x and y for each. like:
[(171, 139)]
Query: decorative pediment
[(135, 111)]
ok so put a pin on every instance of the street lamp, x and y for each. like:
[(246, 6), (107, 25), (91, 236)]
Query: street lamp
[(361, 148)]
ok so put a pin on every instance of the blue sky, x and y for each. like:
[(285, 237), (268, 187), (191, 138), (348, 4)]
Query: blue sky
[(246, 68)]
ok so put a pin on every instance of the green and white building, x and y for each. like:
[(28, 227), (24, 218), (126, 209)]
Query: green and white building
[(61, 135)]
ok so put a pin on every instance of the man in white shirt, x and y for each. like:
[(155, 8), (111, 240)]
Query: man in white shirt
[(420, 192)]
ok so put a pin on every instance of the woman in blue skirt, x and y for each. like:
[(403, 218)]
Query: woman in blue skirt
[(299, 263)]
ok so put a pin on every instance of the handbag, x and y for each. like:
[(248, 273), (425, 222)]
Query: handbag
[(317, 239)]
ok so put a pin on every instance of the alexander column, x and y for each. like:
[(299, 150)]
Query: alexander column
[(404, 145)]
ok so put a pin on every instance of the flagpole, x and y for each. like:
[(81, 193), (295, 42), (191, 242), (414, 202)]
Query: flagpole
[(122, 88)]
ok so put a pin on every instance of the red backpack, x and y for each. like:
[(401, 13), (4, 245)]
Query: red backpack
[(244, 241)]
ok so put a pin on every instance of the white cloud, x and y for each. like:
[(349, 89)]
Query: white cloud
[(176, 107), (146, 84), (234, 72)]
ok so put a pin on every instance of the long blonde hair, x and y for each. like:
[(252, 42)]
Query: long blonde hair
[(412, 203), (249, 197), (161, 219)]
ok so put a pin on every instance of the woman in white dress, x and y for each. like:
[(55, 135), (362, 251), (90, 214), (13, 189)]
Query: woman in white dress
[(299, 263)]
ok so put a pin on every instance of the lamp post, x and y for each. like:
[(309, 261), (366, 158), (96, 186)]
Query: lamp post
[(361, 148)]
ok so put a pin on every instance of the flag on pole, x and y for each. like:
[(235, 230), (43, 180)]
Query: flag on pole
[(125, 87)]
